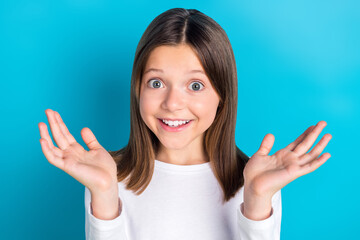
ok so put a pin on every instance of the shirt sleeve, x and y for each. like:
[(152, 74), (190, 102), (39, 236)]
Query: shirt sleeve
[(98, 229), (267, 229)]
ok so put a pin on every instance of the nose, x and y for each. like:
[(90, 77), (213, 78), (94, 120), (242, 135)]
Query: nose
[(174, 100)]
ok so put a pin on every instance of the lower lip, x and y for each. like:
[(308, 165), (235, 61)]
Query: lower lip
[(174, 129)]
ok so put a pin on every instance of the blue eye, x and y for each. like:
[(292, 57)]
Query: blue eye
[(154, 83), (197, 86)]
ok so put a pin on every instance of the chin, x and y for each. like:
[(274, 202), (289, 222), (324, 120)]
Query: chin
[(174, 145)]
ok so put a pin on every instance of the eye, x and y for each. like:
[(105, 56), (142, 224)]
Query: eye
[(196, 86), (154, 83)]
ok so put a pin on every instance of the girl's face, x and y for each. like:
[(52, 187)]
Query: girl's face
[(174, 90)]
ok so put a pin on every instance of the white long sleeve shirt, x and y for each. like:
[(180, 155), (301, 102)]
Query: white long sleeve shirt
[(181, 202)]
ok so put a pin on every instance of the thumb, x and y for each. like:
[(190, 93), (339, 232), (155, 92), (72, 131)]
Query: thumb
[(90, 139), (266, 144)]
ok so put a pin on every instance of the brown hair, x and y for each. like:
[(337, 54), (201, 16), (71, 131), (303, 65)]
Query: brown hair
[(210, 42)]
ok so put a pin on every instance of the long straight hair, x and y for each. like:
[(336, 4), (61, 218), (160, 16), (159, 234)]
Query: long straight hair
[(135, 162)]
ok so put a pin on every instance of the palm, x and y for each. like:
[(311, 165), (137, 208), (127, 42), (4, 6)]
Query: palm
[(266, 174), (95, 168)]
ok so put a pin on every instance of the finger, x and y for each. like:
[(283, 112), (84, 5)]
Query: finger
[(44, 133), (58, 136), (90, 139), (313, 165), (64, 129), (309, 140), (53, 158), (266, 144), (316, 151), (292, 145)]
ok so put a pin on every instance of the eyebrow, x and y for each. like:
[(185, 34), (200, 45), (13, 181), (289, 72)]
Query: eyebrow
[(159, 70)]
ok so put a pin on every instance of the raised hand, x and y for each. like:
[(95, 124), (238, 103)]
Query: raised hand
[(95, 168), (264, 175)]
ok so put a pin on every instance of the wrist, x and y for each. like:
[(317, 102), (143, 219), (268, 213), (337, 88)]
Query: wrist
[(106, 189), (256, 206), (105, 204), (258, 191)]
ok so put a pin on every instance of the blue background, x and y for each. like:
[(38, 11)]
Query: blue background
[(298, 63)]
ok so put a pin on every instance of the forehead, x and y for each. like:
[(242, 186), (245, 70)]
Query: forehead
[(173, 58)]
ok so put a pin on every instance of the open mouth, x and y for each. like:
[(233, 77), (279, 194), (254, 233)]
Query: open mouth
[(174, 126), (176, 123)]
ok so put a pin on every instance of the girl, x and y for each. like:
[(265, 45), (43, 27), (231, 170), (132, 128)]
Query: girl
[(181, 176)]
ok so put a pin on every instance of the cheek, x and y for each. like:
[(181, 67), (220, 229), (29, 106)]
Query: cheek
[(145, 111), (143, 106), (206, 108), (148, 105)]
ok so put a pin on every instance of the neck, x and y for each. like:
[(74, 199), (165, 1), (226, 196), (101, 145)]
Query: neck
[(189, 155)]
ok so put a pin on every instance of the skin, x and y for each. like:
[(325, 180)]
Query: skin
[(176, 98), (264, 174), (95, 168)]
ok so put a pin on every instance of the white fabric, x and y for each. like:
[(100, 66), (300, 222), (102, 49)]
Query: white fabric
[(181, 202)]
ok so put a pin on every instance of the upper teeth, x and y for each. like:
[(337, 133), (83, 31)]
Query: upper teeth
[(175, 123)]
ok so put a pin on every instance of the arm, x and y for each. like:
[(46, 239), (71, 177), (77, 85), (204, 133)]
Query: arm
[(268, 228), (266, 175), (95, 169), (98, 229)]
